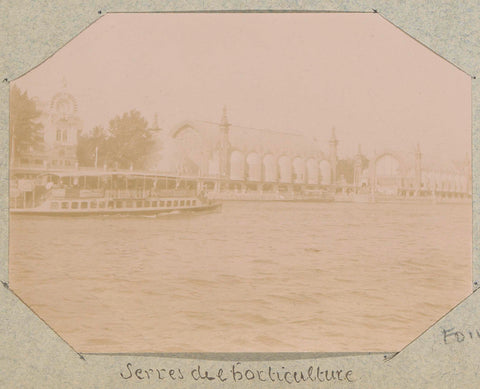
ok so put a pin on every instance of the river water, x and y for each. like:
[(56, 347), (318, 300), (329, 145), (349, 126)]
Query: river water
[(257, 276)]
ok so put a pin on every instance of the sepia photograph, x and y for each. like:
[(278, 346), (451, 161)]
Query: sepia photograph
[(241, 182)]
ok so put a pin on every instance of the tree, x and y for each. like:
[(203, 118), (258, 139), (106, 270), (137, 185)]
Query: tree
[(345, 168), (25, 129), (127, 143), (91, 146), (130, 141)]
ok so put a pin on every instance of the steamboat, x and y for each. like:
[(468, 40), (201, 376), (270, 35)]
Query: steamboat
[(86, 193)]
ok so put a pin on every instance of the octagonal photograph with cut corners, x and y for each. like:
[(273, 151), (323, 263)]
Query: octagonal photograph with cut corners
[(241, 182)]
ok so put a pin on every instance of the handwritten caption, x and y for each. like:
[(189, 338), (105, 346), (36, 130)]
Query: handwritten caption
[(237, 372), (452, 335)]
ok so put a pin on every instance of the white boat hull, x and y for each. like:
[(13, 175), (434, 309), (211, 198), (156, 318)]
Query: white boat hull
[(84, 207)]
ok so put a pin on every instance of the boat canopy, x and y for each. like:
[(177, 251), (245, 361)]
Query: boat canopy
[(81, 172)]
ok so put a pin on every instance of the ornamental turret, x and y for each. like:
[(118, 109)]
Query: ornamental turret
[(224, 145), (333, 156)]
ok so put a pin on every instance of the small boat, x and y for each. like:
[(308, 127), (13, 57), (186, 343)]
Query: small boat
[(106, 193)]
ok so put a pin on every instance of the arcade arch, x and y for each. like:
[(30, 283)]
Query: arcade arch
[(237, 165), (298, 170), (284, 170), (312, 171), (189, 148), (387, 173), (254, 167), (269, 168)]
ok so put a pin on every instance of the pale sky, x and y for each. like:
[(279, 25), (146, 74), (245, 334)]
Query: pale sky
[(301, 73)]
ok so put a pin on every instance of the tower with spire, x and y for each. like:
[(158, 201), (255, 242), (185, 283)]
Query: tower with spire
[(224, 145), (333, 156)]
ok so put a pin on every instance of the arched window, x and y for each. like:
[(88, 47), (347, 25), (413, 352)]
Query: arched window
[(284, 170), (254, 166), (237, 165), (299, 170), (269, 168)]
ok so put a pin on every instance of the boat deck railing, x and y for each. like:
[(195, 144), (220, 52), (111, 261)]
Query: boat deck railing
[(140, 194), (31, 199), (71, 193)]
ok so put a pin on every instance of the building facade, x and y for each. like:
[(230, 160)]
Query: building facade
[(61, 128), (407, 174), (246, 157)]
